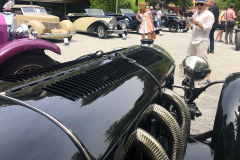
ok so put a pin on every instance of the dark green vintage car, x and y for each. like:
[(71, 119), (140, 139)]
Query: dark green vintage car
[(114, 105)]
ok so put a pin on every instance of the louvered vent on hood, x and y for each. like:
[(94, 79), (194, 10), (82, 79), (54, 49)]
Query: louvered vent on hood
[(84, 84), (42, 71)]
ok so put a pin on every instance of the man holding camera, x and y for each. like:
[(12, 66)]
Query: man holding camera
[(202, 22)]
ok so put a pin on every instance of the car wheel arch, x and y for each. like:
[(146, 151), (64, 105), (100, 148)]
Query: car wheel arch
[(37, 26), (13, 48)]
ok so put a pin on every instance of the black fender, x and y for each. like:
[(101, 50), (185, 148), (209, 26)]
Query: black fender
[(119, 24), (128, 17), (226, 130), (134, 24), (93, 27)]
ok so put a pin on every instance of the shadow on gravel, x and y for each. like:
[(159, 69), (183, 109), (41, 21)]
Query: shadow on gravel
[(55, 40), (110, 36)]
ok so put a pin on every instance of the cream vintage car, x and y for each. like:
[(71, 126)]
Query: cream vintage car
[(47, 26), (94, 21)]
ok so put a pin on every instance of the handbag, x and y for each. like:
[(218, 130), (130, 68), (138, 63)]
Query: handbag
[(230, 23), (153, 35)]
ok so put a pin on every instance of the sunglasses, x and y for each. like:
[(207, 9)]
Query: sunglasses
[(201, 4)]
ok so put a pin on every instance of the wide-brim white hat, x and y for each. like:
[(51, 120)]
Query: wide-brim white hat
[(201, 1)]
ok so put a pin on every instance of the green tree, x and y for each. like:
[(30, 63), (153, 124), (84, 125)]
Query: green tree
[(223, 3), (181, 3), (110, 5)]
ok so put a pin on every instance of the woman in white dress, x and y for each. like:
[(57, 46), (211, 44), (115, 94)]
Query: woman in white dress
[(146, 20)]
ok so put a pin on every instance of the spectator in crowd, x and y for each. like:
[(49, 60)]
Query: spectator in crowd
[(201, 22), (214, 9), (152, 12), (159, 16), (146, 21), (221, 20), (176, 12), (159, 21), (229, 16), (7, 6)]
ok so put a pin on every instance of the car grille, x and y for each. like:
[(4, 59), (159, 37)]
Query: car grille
[(49, 25), (1, 35), (84, 84)]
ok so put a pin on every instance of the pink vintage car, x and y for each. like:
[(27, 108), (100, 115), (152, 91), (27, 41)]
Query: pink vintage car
[(18, 53)]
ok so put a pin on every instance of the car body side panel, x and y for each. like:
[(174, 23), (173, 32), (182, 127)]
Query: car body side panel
[(81, 24), (25, 132), (3, 30), (198, 151), (12, 48), (34, 16), (226, 132)]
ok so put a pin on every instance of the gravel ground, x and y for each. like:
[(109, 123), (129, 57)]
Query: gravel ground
[(223, 62)]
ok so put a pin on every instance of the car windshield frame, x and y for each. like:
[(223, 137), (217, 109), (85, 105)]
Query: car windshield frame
[(126, 10), (90, 11), (37, 10)]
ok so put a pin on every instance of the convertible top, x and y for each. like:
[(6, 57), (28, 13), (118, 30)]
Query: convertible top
[(20, 6)]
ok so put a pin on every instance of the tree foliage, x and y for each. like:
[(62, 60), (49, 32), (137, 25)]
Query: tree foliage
[(181, 3), (223, 3), (110, 5)]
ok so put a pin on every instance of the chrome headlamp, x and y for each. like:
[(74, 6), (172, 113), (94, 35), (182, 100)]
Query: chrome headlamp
[(21, 32), (126, 19), (183, 18), (123, 26), (195, 67)]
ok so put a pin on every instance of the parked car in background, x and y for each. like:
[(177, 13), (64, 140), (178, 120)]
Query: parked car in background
[(47, 26), (174, 23), (129, 17), (116, 105), (237, 37), (94, 21), (18, 53)]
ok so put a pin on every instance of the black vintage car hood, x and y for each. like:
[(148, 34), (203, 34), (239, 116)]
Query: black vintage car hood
[(104, 102)]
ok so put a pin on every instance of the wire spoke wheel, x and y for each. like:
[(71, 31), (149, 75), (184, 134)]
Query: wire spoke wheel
[(101, 31), (27, 68)]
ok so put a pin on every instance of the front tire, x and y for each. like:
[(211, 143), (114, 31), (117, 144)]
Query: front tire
[(185, 29), (173, 27), (101, 31), (24, 62), (237, 41), (69, 38)]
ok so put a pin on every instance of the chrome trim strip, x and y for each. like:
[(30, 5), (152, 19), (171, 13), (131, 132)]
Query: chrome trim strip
[(69, 133), (57, 34), (3, 93)]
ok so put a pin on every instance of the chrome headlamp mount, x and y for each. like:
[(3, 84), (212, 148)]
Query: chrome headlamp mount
[(195, 68)]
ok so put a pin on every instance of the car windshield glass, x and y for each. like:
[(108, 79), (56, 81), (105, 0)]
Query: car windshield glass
[(33, 10), (126, 10), (95, 11), (28, 10), (41, 10)]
